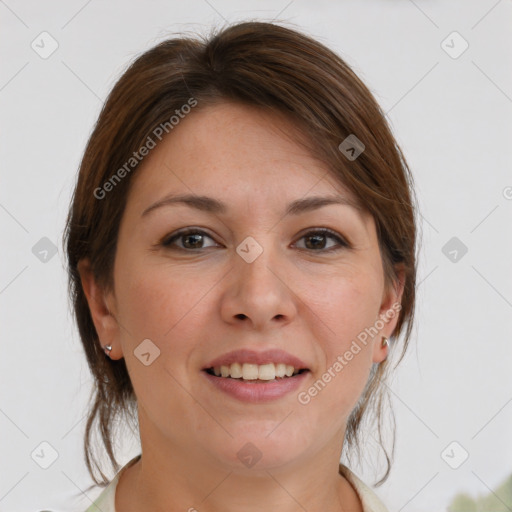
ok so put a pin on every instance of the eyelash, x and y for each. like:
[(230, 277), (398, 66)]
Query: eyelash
[(342, 243)]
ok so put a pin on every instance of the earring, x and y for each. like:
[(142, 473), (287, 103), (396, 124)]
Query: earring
[(385, 342), (107, 349)]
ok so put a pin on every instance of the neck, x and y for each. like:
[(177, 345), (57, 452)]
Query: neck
[(179, 479)]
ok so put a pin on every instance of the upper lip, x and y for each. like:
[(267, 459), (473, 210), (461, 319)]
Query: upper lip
[(254, 357)]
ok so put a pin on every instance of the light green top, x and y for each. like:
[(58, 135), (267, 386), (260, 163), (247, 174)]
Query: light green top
[(371, 503)]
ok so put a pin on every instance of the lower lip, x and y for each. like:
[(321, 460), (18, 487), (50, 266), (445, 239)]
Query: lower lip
[(257, 391)]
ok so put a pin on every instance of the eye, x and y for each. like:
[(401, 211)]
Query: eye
[(194, 239), (315, 240), (191, 238)]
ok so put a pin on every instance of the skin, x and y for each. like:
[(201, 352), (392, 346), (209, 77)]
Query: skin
[(198, 303)]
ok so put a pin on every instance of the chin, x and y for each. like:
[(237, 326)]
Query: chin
[(260, 452)]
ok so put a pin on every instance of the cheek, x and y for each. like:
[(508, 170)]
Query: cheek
[(163, 307), (162, 304), (344, 313), (345, 304)]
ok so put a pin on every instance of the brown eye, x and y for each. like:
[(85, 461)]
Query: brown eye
[(316, 241), (191, 239)]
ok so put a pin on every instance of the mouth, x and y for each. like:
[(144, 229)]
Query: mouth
[(249, 386), (276, 378)]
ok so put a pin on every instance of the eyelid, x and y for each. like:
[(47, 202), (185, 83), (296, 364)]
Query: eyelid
[(167, 239), (342, 241)]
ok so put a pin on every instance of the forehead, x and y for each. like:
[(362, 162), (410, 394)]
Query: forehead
[(232, 149)]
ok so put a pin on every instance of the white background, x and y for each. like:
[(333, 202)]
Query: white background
[(452, 118)]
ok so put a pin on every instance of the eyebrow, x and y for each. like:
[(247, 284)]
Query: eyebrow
[(211, 205)]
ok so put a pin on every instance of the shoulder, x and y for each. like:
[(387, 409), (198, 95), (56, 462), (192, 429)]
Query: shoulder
[(107, 498), (370, 501)]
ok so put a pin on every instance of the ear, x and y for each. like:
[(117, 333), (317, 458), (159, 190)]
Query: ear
[(389, 313), (102, 308)]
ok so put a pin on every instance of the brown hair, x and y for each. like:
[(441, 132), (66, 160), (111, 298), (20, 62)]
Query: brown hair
[(270, 67)]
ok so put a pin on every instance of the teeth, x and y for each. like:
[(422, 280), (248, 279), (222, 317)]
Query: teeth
[(247, 371), (235, 371)]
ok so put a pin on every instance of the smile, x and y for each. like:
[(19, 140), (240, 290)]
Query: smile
[(256, 390), (252, 372)]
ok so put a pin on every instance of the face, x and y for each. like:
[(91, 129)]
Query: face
[(199, 295)]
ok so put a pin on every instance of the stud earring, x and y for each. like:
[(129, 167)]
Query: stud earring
[(385, 342), (107, 349)]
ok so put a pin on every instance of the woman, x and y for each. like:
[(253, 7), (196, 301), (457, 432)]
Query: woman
[(241, 246)]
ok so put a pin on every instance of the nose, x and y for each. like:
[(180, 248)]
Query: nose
[(258, 294)]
